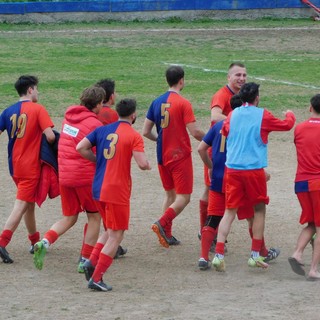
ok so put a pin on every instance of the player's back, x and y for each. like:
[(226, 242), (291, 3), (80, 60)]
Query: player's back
[(171, 113)]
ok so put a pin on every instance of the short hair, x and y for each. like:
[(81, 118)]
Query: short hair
[(174, 74), (24, 83), (108, 85), (92, 96), (249, 91), (236, 64), (315, 103), (126, 107), (235, 101)]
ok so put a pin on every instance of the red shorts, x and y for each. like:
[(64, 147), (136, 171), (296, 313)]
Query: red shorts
[(310, 205), (217, 205), (115, 217), (177, 175), (245, 187), (26, 189), (76, 200)]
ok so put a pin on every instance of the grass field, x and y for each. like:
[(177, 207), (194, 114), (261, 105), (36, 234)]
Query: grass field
[(69, 57), (152, 282)]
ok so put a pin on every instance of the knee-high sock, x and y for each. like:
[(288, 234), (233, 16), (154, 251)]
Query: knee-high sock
[(207, 236), (104, 263), (203, 206)]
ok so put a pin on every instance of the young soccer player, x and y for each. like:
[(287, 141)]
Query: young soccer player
[(116, 144), (108, 115), (75, 176), (247, 129), (173, 117), (25, 122), (213, 139), (307, 188), (220, 108)]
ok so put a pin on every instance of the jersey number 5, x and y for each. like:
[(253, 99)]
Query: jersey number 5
[(111, 150), (165, 116)]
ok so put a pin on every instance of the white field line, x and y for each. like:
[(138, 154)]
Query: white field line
[(159, 30), (288, 83)]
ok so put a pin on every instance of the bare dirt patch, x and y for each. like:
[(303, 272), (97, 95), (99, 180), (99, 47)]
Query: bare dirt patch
[(151, 282)]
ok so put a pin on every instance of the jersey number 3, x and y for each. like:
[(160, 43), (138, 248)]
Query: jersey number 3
[(111, 150)]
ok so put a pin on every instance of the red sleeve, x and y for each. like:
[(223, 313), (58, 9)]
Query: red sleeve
[(188, 115), (226, 126), (44, 119), (271, 123), (138, 144)]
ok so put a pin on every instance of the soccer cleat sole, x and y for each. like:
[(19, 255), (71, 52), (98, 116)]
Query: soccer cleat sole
[(162, 240)]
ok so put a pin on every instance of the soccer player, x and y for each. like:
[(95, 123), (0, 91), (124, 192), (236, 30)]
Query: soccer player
[(108, 115), (173, 117), (116, 144), (220, 109), (25, 122), (214, 140), (247, 129), (75, 176), (307, 189)]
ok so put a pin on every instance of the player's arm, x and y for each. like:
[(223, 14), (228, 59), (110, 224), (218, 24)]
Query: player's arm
[(141, 160), (84, 148), (147, 130), (203, 152), (48, 132), (216, 114), (196, 132)]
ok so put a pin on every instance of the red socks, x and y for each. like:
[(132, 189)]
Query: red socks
[(207, 237), (263, 251), (51, 236), (256, 244), (5, 237), (34, 238), (166, 221), (95, 253), (203, 205), (220, 248), (86, 250), (104, 263)]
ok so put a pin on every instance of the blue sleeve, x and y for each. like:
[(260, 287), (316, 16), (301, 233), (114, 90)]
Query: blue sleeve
[(92, 137)]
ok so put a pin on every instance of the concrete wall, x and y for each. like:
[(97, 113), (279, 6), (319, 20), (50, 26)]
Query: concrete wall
[(102, 10)]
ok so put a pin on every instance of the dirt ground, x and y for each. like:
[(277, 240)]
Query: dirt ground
[(152, 282)]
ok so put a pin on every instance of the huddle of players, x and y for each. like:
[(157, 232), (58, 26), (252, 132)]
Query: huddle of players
[(95, 160)]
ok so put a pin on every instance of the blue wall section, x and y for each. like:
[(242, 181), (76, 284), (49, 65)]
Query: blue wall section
[(146, 5)]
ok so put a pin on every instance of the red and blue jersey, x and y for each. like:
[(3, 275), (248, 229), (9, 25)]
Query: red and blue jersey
[(171, 113), (25, 122), (114, 144), (217, 141), (308, 155)]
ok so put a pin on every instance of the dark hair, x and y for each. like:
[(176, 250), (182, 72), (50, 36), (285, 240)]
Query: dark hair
[(315, 103), (92, 96), (235, 101), (236, 64), (126, 107), (249, 91), (24, 83), (108, 85), (174, 74)]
